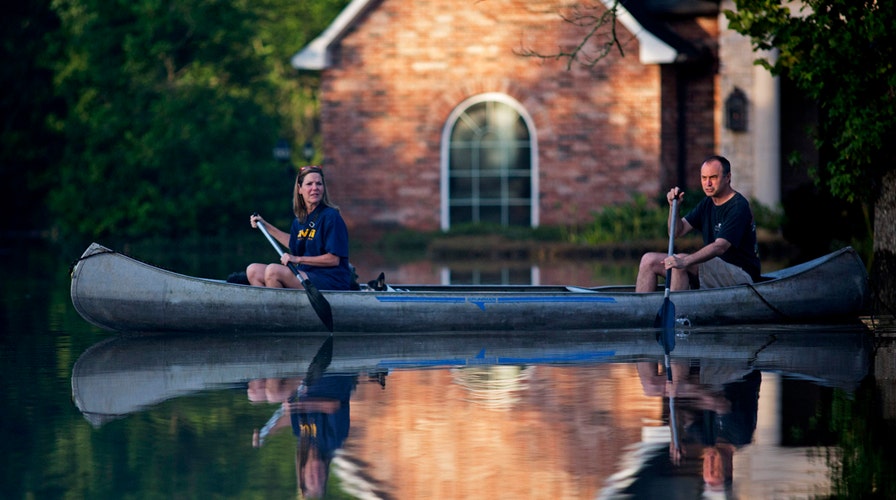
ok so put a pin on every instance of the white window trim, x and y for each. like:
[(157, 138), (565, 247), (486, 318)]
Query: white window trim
[(445, 151)]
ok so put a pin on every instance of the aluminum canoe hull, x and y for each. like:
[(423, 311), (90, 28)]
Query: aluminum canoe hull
[(119, 293)]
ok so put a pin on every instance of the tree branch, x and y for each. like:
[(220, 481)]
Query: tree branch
[(598, 25)]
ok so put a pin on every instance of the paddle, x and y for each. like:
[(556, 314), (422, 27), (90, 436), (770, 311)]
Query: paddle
[(318, 302), (673, 426), (665, 318), (316, 368)]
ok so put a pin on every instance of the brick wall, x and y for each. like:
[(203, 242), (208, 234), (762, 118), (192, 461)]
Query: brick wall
[(409, 63)]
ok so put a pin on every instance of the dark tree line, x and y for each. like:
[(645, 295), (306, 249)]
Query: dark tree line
[(152, 118)]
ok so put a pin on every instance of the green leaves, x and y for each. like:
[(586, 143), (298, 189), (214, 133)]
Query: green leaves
[(638, 220), (841, 53), (172, 110)]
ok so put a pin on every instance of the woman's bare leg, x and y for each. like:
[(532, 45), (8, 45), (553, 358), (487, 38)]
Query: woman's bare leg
[(255, 274), (280, 276)]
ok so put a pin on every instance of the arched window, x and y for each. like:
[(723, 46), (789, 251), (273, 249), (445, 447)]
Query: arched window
[(488, 164)]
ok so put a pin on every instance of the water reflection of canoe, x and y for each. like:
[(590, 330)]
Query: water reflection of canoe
[(116, 292), (125, 374)]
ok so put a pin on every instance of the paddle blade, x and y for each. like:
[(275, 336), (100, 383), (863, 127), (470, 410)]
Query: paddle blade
[(665, 320), (319, 304), (320, 362)]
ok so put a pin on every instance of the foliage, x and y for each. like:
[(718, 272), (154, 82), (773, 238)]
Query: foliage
[(405, 242), (27, 144), (412, 245), (638, 220), (770, 218), (862, 464), (644, 221), (172, 110), (542, 233), (842, 54)]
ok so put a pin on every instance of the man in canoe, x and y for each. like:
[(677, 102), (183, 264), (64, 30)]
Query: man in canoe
[(317, 240), (729, 255)]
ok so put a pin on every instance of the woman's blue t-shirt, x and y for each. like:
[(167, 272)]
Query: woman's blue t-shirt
[(322, 232)]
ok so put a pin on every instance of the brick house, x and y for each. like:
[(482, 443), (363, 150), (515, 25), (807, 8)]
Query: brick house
[(431, 116)]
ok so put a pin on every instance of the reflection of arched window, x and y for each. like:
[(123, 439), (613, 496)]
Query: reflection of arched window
[(488, 170)]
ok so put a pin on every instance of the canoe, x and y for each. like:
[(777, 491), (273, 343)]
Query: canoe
[(129, 373), (119, 293)]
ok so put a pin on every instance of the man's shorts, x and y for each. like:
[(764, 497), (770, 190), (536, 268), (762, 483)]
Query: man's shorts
[(716, 273)]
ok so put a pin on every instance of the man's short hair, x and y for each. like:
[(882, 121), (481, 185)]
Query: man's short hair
[(726, 165)]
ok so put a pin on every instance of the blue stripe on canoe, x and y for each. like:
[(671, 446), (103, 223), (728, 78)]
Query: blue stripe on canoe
[(480, 360), (480, 302), (391, 298)]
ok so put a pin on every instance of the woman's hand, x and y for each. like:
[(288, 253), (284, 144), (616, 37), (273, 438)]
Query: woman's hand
[(286, 258), (254, 219)]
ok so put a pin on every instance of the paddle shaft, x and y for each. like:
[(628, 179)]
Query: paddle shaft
[(673, 223), (279, 250), (318, 365), (318, 301), (673, 425)]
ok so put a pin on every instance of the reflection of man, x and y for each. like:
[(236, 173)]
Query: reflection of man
[(715, 410), (319, 417)]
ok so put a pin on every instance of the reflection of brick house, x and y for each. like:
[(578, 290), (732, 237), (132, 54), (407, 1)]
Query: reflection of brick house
[(430, 116)]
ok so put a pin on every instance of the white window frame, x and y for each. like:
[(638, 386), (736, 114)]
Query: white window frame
[(446, 152)]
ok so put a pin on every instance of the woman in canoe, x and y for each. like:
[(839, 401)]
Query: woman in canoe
[(317, 240)]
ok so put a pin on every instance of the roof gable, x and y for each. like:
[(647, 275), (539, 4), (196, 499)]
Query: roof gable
[(317, 54)]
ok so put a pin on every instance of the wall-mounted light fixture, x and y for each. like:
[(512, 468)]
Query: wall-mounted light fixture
[(282, 152), (308, 152), (736, 111)]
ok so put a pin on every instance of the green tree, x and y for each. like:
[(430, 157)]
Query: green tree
[(172, 111), (28, 146), (842, 54)]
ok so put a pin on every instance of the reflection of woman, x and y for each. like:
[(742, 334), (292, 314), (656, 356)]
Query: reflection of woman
[(320, 420), (319, 417)]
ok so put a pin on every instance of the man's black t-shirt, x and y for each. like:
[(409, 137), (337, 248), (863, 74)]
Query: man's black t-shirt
[(732, 221)]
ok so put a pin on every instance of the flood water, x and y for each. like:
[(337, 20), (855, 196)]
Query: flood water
[(780, 411)]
